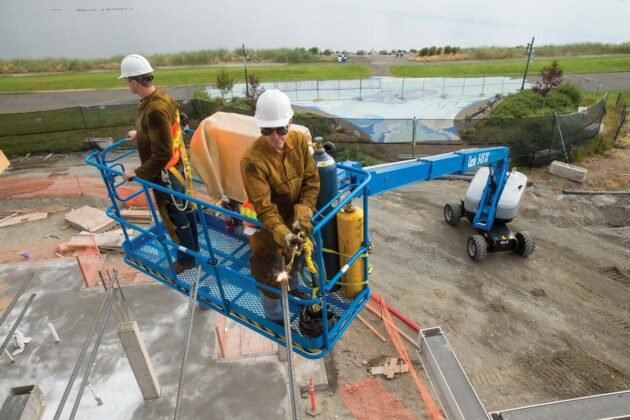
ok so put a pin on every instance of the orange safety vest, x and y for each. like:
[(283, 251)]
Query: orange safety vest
[(247, 210), (179, 152), (177, 142)]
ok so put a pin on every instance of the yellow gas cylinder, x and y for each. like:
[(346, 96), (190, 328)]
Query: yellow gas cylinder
[(350, 238)]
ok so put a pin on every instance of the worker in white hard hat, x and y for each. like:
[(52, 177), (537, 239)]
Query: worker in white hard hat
[(282, 182), (162, 155)]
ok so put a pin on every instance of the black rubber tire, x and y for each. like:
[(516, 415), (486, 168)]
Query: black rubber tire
[(477, 248), (525, 244), (452, 213)]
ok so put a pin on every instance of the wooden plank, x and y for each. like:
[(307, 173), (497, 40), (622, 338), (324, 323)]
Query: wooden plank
[(38, 210), (90, 219), (80, 241), (136, 214), (111, 240), (23, 219), (392, 366), (63, 247), (402, 333), (8, 217), (371, 328), (4, 162)]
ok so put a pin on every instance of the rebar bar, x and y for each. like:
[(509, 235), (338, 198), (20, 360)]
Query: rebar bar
[(182, 372), (77, 366), (16, 323), (90, 362), (15, 298)]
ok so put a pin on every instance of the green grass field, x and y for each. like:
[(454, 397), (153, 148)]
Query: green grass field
[(513, 68), (179, 76)]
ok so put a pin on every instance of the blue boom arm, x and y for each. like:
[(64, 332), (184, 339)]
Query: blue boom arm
[(390, 176)]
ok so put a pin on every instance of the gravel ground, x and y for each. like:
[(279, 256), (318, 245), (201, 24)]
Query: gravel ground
[(552, 326)]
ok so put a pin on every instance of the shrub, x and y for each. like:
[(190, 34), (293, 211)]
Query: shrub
[(447, 49), (432, 50), (529, 104), (318, 126), (314, 50), (328, 51), (424, 52), (353, 152), (551, 77), (572, 91), (438, 51), (254, 90), (361, 52), (225, 83)]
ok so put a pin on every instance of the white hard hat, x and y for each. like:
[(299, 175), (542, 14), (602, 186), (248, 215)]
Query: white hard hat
[(273, 109), (134, 65)]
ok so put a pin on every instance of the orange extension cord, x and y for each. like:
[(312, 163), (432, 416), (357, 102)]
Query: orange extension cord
[(434, 411)]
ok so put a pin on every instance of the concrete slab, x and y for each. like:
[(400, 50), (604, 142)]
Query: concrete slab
[(242, 343), (565, 170), (245, 389)]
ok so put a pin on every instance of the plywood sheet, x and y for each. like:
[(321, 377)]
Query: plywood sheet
[(90, 219)]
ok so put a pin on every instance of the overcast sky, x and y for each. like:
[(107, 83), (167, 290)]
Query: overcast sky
[(97, 28)]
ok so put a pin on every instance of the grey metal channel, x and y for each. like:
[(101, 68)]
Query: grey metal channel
[(456, 394), (615, 405)]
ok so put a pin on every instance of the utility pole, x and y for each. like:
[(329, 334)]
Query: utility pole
[(530, 47), (245, 58)]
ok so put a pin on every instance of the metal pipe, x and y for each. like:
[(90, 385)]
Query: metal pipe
[(16, 323), (15, 298), (398, 315), (529, 59), (77, 366), (182, 372), (90, 362)]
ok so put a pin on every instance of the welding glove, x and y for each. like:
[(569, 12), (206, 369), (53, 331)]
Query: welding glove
[(302, 216), (291, 240)]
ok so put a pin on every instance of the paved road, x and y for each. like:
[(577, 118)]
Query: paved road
[(42, 101)]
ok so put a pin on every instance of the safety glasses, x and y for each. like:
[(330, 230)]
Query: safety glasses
[(266, 131)]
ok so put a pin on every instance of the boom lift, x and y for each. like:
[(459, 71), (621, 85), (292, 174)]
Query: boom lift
[(226, 284)]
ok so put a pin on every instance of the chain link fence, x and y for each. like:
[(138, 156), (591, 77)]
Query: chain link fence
[(621, 108), (380, 88), (533, 141), (536, 141)]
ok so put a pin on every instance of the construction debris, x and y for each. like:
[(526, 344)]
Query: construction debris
[(90, 219), (107, 241), (392, 366), (564, 170), (136, 215), (38, 210), (15, 219)]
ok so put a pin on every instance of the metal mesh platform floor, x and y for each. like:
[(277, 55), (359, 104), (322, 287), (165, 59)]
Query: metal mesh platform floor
[(231, 277)]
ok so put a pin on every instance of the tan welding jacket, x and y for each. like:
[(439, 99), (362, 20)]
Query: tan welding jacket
[(283, 187)]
